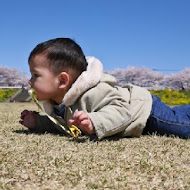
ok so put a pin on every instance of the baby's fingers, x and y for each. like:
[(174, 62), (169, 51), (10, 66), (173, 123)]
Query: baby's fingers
[(72, 121), (80, 116), (24, 113)]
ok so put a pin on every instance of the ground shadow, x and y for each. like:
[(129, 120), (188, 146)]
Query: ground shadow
[(28, 132), (80, 139)]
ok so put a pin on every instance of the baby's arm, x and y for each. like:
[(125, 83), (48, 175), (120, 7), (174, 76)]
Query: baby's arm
[(36, 122), (28, 119), (82, 120)]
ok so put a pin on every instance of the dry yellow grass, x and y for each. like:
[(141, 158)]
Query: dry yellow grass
[(50, 161)]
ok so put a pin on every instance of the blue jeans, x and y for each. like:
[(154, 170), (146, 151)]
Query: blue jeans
[(164, 120)]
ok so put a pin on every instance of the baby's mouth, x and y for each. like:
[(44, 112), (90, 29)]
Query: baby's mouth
[(32, 93)]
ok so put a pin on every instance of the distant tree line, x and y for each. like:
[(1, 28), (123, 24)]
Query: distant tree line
[(152, 80), (144, 77)]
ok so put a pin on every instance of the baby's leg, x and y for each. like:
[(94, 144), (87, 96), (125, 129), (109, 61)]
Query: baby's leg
[(164, 120)]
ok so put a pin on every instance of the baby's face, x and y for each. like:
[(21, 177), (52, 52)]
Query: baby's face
[(43, 80)]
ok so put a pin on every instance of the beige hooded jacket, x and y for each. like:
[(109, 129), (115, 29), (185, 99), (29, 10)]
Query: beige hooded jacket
[(112, 109)]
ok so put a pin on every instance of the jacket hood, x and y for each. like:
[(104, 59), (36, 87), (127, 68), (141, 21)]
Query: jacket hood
[(85, 81)]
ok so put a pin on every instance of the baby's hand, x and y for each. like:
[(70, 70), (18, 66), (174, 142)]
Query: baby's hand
[(28, 119), (81, 120)]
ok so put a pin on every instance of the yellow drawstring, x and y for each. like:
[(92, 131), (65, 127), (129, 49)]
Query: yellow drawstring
[(73, 130)]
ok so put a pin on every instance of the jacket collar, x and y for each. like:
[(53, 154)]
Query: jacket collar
[(85, 81)]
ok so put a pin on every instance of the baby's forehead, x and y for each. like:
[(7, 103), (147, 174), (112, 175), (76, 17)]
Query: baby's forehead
[(39, 60)]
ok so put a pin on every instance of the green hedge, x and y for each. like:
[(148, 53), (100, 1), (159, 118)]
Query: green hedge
[(7, 93), (167, 96), (173, 97)]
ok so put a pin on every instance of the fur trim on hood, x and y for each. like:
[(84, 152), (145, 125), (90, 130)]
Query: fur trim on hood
[(85, 81)]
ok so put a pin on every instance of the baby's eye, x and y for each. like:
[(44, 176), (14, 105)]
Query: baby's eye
[(36, 75)]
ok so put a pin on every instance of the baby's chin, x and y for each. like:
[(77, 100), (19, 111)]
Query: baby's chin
[(40, 98)]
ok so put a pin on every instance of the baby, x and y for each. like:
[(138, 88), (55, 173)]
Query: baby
[(75, 91)]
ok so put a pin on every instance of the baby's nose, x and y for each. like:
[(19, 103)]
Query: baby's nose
[(29, 82)]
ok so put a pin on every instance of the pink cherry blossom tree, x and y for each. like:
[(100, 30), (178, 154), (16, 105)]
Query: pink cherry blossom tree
[(12, 77), (139, 76), (179, 81)]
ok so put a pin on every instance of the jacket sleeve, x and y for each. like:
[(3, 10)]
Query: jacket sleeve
[(111, 112), (44, 124)]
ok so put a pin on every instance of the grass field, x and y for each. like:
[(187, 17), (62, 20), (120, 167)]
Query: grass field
[(50, 161)]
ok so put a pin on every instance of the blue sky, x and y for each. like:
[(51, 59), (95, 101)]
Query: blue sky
[(149, 33)]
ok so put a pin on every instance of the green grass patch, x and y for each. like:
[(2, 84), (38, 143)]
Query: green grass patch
[(7, 93), (173, 97)]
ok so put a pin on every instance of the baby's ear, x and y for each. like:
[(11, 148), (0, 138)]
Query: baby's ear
[(63, 80)]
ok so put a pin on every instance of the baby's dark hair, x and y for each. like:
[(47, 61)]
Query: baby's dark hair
[(62, 53)]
